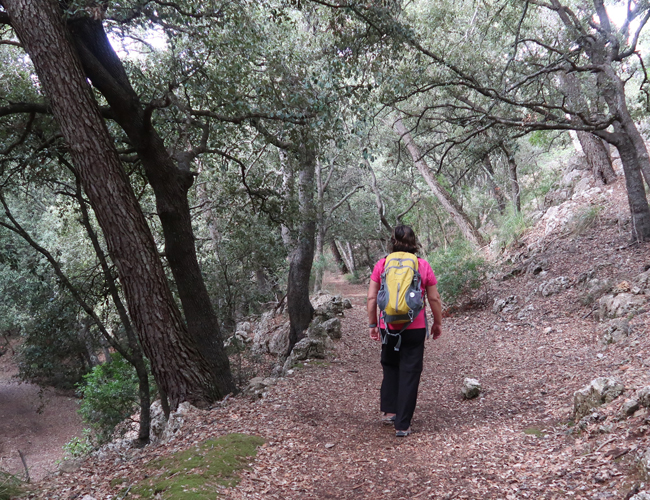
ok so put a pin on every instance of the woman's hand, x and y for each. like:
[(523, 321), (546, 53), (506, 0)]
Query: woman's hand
[(374, 333), (436, 331)]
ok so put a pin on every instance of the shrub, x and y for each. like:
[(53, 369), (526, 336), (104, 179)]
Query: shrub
[(511, 227), (459, 271), (584, 219), (9, 486), (110, 395)]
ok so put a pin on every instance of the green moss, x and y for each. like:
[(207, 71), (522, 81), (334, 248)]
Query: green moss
[(9, 486), (196, 474), (534, 431), (117, 481)]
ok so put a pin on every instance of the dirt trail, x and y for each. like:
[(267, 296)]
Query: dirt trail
[(37, 424), (324, 439)]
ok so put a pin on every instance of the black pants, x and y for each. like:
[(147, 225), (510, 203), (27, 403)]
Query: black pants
[(402, 369)]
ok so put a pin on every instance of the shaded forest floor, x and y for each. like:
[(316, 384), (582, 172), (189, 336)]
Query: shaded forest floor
[(321, 425)]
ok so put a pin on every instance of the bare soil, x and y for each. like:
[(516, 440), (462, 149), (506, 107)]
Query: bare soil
[(324, 438), (36, 422)]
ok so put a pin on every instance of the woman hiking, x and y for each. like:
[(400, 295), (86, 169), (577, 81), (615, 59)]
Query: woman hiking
[(403, 337)]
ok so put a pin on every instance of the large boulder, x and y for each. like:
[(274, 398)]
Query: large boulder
[(600, 391), (176, 421), (332, 328), (505, 305), (615, 331), (615, 306), (554, 286), (328, 306), (279, 340)]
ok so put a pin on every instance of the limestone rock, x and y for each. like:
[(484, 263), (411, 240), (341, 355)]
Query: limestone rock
[(88, 497), (643, 396), (71, 465), (554, 286), (327, 306), (279, 341), (641, 495), (615, 306), (630, 406), (176, 421), (597, 288), (504, 305), (615, 331), (347, 304), (332, 328), (600, 391), (158, 421), (471, 388)]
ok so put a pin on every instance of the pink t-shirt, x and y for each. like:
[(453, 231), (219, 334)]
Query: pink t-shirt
[(428, 279)]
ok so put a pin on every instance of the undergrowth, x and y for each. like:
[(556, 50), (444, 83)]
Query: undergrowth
[(10, 486), (197, 473), (459, 271)]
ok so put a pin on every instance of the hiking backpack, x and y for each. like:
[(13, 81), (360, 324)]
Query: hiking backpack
[(400, 293)]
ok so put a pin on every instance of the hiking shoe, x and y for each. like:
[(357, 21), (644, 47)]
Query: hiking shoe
[(401, 434), (386, 420)]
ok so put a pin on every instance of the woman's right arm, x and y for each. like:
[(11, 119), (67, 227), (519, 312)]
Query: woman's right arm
[(372, 309)]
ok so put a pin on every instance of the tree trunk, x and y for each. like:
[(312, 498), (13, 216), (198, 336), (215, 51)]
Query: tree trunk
[(177, 363), (597, 157), (591, 145), (458, 215), (496, 190), (302, 256), (515, 190), (636, 194), (337, 257), (631, 148), (320, 228), (170, 183), (348, 258)]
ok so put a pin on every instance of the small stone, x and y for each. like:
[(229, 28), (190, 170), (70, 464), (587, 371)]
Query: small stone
[(471, 388), (548, 330), (329, 445), (600, 355)]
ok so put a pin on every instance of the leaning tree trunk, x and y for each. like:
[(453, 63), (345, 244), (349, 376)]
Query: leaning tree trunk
[(632, 150), (338, 258), (457, 214), (494, 187), (170, 181), (515, 189), (636, 194), (302, 257), (592, 146), (597, 157), (177, 364)]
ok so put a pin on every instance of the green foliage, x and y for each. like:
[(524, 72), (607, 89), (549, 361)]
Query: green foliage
[(9, 486), (79, 446), (192, 474), (459, 271), (583, 219), (353, 278), (110, 395), (52, 352), (511, 226)]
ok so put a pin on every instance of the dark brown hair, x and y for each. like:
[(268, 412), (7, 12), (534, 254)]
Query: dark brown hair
[(403, 240)]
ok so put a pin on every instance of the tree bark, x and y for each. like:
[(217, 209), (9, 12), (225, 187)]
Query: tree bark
[(496, 190), (337, 257), (597, 157), (636, 194), (457, 214), (302, 257), (177, 363), (170, 180), (591, 145), (321, 228), (515, 190)]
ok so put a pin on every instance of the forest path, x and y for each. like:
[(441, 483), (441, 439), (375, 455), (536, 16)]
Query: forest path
[(38, 424), (322, 429)]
